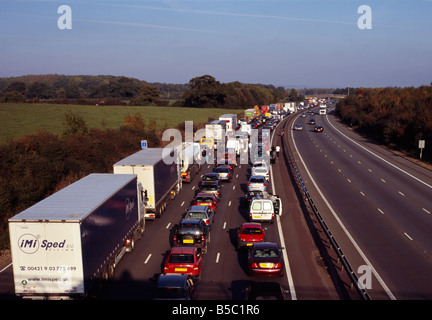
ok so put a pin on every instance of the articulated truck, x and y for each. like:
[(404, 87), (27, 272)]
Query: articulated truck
[(159, 172), (67, 245)]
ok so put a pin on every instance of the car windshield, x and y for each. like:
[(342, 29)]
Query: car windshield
[(209, 187), (189, 229), (203, 199), (221, 169), (181, 258), (196, 215), (210, 177), (260, 170), (256, 180), (252, 231), (266, 253)]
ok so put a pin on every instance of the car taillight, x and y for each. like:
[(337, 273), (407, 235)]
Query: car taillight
[(175, 238), (207, 221), (202, 238), (277, 265), (265, 184), (254, 265), (249, 184), (128, 242)]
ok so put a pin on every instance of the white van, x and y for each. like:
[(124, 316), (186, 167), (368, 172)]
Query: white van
[(265, 209)]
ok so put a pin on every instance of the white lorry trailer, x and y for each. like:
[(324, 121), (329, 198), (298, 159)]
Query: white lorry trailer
[(216, 130), (64, 246), (159, 175), (231, 122), (190, 156)]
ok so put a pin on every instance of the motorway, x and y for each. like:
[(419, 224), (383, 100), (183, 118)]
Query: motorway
[(224, 274), (377, 204)]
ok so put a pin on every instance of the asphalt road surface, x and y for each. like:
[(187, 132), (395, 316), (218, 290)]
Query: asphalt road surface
[(376, 203)]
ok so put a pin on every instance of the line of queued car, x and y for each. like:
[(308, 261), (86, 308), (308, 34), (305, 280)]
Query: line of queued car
[(190, 239), (191, 236)]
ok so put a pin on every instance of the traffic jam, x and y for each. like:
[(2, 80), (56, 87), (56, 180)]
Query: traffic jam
[(191, 237)]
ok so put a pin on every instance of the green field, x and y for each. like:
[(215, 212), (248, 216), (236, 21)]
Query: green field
[(17, 120)]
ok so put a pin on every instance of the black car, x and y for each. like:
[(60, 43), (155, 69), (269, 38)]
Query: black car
[(265, 291), (318, 128), (211, 187), (175, 287), (192, 232), (210, 177)]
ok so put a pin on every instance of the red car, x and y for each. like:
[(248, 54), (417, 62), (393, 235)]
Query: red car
[(206, 199), (250, 233), (184, 260), (265, 258)]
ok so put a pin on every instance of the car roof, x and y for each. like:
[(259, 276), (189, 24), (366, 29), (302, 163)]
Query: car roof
[(261, 245), (251, 225), (172, 280), (177, 250), (205, 194), (190, 221), (257, 177), (198, 208)]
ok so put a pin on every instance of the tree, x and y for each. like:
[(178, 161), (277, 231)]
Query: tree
[(205, 92), (74, 124)]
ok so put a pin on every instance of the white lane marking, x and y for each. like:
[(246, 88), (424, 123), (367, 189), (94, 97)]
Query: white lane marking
[(406, 234), (282, 241), (427, 211), (217, 257), (401, 193), (389, 163), (182, 204), (380, 211), (148, 258), (168, 225), (229, 204), (224, 225)]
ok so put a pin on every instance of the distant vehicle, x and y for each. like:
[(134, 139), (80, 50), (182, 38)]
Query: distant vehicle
[(224, 173), (265, 258), (192, 232), (210, 177), (184, 260), (200, 212), (211, 187), (298, 127), (160, 178), (312, 121), (265, 291), (257, 183), (175, 287), (250, 195), (318, 128), (261, 171), (250, 233), (206, 199), (265, 208)]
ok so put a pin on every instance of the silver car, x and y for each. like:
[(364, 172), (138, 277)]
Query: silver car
[(257, 183), (261, 171), (225, 173)]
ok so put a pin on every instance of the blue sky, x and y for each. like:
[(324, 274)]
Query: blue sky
[(292, 43)]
